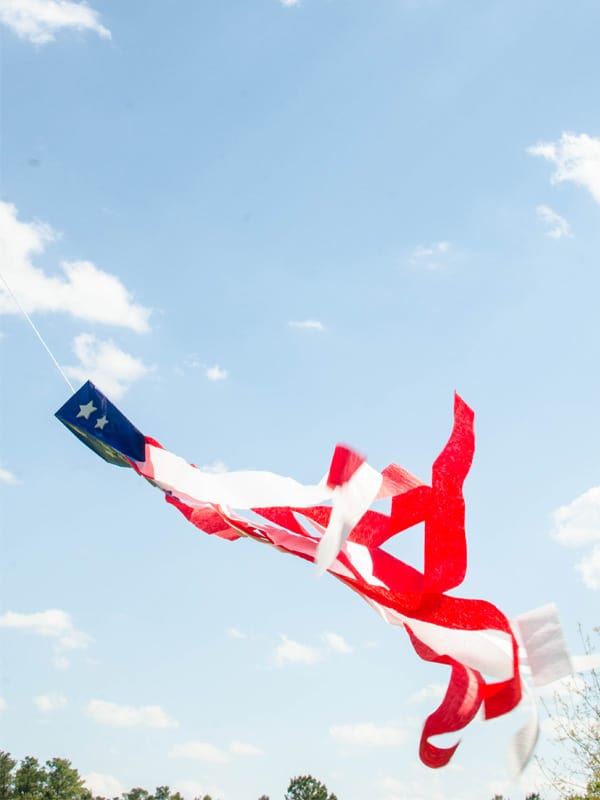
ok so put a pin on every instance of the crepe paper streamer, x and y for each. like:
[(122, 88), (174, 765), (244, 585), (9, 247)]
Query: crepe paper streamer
[(546, 650), (347, 538)]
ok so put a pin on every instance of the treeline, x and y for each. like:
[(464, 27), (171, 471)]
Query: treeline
[(58, 780)]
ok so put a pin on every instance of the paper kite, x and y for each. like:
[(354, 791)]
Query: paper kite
[(346, 538)]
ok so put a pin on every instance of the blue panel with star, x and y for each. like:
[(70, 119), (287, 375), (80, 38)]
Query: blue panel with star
[(101, 426)]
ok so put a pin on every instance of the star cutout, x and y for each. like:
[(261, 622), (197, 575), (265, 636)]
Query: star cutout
[(86, 410), (101, 422)]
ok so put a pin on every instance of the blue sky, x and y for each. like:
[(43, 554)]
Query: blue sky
[(264, 228)]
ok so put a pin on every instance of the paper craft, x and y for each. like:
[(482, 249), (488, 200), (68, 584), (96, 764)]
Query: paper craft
[(346, 538)]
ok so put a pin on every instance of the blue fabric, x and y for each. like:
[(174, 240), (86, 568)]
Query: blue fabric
[(101, 426)]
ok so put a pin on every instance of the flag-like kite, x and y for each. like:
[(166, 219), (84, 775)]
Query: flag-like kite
[(331, 523)]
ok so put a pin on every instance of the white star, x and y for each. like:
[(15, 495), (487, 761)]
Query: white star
[(101, 422), (86, 410)]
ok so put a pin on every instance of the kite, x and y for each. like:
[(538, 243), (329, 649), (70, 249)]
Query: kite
[(331, 523)]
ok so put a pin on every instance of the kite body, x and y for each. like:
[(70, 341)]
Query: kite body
[(347, 538)]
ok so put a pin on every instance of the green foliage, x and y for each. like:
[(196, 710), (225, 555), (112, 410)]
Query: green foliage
[(305, 787), (7, 775), (575, 713), (592, 790), (137, 793), (30, 780), (63, 782)]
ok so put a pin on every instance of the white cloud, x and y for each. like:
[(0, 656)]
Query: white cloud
[(194, 789), (289, 3), (307, 324), (6, 476), (589, 567), (39, 20), (563, 687), (558, 727), (367, 734), (83, 290), (216, 373), (576, 158), (3, 705), (103, 362), (432, 256), (409, 790), (118, 716), (557, 225), (433, 692), (336, 642), (103, 785), (216, 468), (199, 751), (53, 623), (578, 524), (49, 702), (290, 652), (245, 749), (235, 633)]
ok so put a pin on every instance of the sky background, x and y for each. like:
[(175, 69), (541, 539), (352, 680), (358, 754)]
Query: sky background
[(264, 227)]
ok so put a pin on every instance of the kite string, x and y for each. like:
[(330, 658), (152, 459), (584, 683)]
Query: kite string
[(37, 333)]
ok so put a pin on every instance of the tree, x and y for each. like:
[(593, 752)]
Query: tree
[(575, 716), (63, 782), (137, 793), (534, 796), (7, 776), (30, 780), (305, 787)]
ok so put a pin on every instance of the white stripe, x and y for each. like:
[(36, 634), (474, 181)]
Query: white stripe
[(350, 502), (487, 651), (242, 490), (547, 654)]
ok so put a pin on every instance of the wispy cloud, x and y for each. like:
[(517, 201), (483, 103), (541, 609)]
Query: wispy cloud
[(195, 789), (557, 225), (235, 633), (576, 158), (589, 568), (307, 325), (216, 373), (83, 290), (432, 256), (336, 643), (54, 623), (577, 524), (49, 702), (245, 749), (3, 705), (39, 21), (289, 3), (409, 789), (122, 716), (103, 785), (433, 692), (368, 734), (559, 727), (199, 751), (216, 468), (102, 361), (7, 477), (290, 652)]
